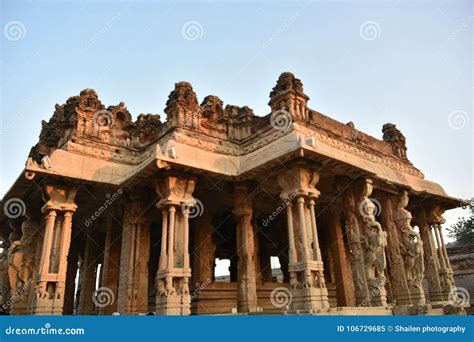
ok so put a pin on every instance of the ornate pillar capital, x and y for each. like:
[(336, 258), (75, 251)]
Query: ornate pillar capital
[(242, 201), (60, 198), (175, 190), (435, 216), (299, 180)]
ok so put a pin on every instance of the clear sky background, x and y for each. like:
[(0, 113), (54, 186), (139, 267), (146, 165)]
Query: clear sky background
[(405, 62)]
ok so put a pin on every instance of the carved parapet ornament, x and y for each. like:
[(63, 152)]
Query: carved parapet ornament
[(182, 108), (306, 267), (83, 120), (411, 248), (174, 272), (393, 136), (288, 96), (57, 211)]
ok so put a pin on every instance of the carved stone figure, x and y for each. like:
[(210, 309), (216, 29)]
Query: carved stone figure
[(411, 244)]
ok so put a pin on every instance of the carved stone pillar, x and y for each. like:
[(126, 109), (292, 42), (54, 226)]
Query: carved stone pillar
[(71, 273), (307, 283), (174, 272), (135, 251), (21, 262), (405, 251), (411, 248), (263, 262), (111, 265), (374, 243), (247, 292), (203, 265), (367, 242), (426, 220), (89, 272), (446, 280), (398, 279), (51, 274), (342, 266), (204, 256)]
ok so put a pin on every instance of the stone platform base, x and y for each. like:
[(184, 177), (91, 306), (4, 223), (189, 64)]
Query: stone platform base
[(309, 300), (173, 305), (399, 310)]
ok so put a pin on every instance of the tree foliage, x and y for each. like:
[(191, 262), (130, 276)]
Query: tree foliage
[(463, 230)]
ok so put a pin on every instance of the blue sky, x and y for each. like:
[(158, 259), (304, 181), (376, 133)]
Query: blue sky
[(414, 68)]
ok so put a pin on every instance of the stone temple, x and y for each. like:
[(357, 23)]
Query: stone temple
[(111, 215)]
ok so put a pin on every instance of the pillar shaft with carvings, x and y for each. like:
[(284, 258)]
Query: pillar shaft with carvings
[(398, 279), (367, 241), (306, 269), (247, 291), (21, 263), (51, 270), (174, 272), (135, 251), (404, 250), (411, 247), (111, 266), (445, 272), (90, 267), (336, 222), (426, 220), (374, 241)]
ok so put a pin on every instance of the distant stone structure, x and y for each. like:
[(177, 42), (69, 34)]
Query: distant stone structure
[(462, 261), (145, 207)]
